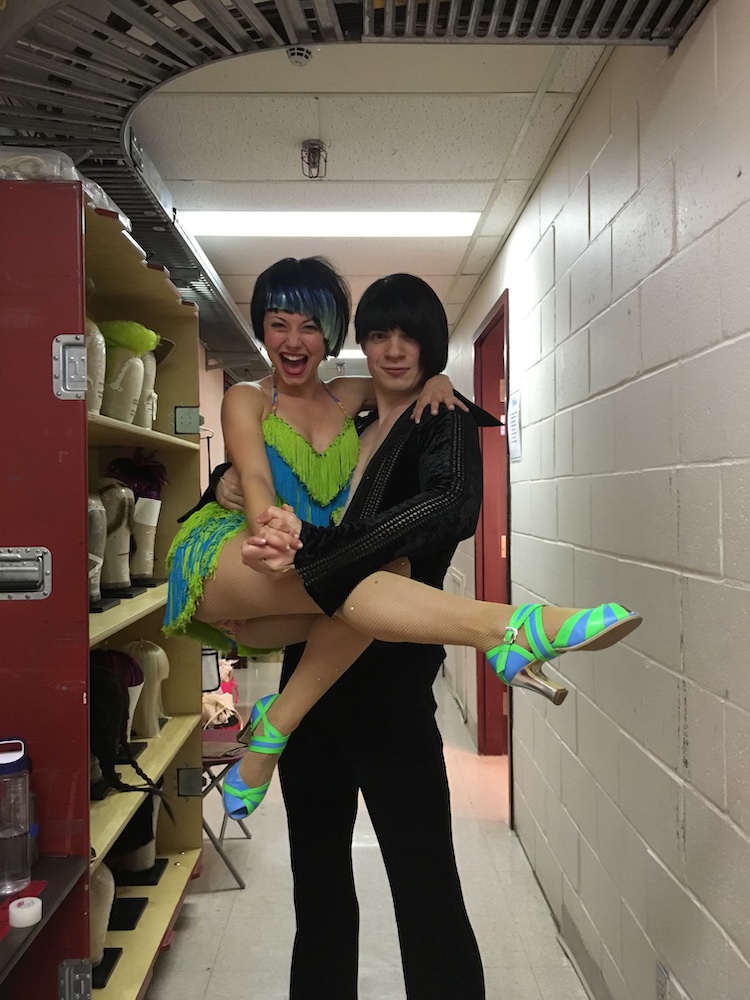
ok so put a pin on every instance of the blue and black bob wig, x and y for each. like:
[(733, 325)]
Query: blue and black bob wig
[(310, 286)]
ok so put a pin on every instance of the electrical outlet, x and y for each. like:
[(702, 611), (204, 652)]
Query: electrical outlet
[(662, 982), (186, 420)]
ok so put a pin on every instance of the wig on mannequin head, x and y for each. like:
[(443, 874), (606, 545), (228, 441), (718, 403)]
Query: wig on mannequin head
[(405, 302), (310, 286)]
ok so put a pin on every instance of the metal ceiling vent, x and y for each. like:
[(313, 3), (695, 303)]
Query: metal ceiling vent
[(597, 22), (72, 72)]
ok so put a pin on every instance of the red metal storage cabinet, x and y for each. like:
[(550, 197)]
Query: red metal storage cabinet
[(44, 659), (53, 452)]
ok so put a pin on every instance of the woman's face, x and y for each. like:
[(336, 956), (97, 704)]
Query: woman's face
[(295, 346)]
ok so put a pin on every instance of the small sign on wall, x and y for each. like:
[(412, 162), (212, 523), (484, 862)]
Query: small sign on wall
[(514, 426)]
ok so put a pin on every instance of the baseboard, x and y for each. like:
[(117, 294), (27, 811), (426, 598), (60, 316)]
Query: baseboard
[(588, 971)]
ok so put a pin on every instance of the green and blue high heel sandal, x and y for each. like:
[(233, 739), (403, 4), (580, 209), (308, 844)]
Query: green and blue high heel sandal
[(591, 628), (239, 798)]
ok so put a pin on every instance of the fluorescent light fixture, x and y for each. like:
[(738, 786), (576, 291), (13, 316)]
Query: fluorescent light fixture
[(329, 224), (349, 354)]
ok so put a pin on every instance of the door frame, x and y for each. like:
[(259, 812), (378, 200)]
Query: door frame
[(493, 731)]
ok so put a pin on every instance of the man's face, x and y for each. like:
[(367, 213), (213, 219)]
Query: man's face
[(394, 361)]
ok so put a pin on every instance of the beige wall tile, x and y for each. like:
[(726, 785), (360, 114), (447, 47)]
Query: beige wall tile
[(650, 800), (664, 703), (735, 283), (682, 95), (591, 281), (614, 176), (597, 746), (554, 186), (643, 233), (716, 618), (638, 958), (622, 851), (646, 423), (594, 436), (574, 510), (699, 489), (716, 858), (702, 757), (562, 832), (572, 229), (630, 71), (681, 304), (589, 133), (711, 161), (713, 413), (601, 898), (635, 515), (572, 370), (615, 344), (737, 725), (619, 688)]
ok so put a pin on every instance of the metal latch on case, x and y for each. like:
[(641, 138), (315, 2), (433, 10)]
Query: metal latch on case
[(69, 366), (25, 573)]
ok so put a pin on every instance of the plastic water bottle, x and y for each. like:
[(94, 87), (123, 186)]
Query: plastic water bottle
[(15, 866)]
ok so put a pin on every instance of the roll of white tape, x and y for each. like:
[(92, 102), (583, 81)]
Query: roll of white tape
[(25, 912)]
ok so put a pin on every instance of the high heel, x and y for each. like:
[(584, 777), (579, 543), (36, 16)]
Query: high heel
[(590, 628), (239, 798)]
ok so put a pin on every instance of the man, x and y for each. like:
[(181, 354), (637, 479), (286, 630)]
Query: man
[(416, 493)]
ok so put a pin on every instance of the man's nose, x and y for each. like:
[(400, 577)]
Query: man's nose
[(394, 347)]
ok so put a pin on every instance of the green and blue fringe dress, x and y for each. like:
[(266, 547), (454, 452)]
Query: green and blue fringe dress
[(315, 484)]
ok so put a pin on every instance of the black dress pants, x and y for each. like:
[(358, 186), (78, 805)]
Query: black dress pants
[(389, 747)]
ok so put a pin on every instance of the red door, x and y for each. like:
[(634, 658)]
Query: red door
[(491, 545)]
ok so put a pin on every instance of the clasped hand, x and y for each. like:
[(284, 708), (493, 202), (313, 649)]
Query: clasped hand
[(272, 549)]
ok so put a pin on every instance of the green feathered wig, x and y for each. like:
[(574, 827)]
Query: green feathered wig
[(134, 337)]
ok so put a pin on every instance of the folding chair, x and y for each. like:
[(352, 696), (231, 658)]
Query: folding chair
[(219, 750), (218, 753)]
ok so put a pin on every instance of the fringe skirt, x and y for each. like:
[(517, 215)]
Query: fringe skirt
[(192, 559)]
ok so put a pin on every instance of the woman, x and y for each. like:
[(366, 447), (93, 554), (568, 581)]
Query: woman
[(305, 455)]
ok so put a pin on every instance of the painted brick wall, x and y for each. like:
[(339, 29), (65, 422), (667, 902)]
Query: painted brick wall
[(629, 282)]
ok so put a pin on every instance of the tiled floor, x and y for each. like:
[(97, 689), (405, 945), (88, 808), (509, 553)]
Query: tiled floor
[(231, 943)]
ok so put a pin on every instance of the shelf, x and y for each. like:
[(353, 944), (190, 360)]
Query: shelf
[(110, 816), (141, 946), (108, 432), (129, 610), (60, 874)]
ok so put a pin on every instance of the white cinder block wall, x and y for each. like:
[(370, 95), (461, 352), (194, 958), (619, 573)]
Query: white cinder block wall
[(629, 284)]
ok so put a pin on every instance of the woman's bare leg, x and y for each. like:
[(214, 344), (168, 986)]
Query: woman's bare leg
[(332, 646), (387, 606)]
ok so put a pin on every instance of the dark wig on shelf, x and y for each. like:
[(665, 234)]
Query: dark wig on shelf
[(108, 701)]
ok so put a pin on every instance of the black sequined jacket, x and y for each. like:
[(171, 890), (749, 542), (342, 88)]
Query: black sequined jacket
[(419, 496)]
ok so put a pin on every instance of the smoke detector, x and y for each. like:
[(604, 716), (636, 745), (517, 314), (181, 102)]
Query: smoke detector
[(298, 55)]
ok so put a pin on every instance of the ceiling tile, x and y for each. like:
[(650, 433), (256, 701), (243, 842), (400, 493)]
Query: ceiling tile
[(327, 195), (509, 200), (464, 287), (226, 137), (381, 68), (234, 137), (421, 137), (548, 121), (245, 255), (576, 67), (481, 254)]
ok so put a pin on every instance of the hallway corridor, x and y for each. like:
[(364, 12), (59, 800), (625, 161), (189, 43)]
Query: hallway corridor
[(230, 943)]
